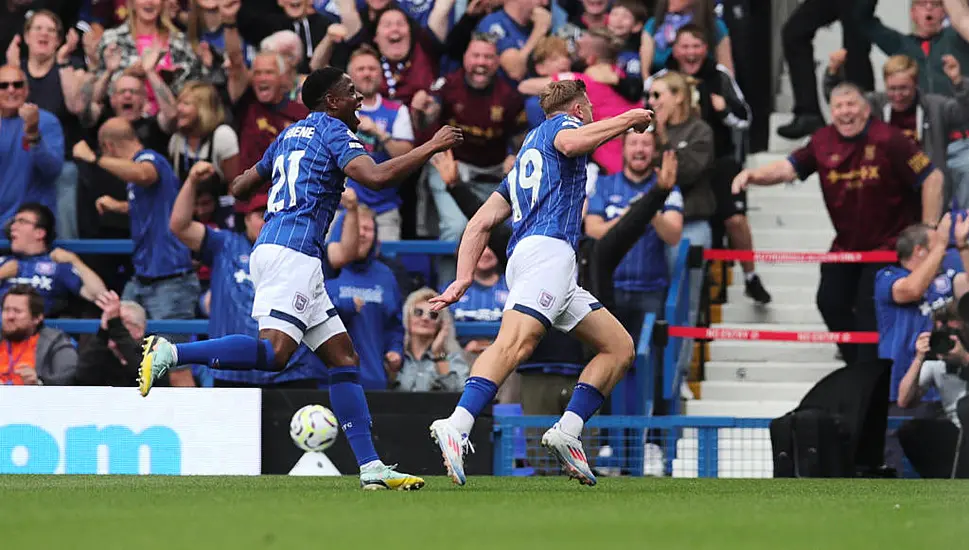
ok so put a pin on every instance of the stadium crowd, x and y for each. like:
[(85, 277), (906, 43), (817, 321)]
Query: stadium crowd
[(128, 118)]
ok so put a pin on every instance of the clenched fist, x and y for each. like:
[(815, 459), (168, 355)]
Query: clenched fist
[(348, 200), (448, 137), (30, 114), (201, 171), (82, 152)]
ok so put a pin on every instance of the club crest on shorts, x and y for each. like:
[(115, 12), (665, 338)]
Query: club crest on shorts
[(545, 299), (300, 302)]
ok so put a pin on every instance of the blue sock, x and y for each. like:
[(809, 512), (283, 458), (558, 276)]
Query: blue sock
[(586, 400), (350, 406), (233, 352), (478, 393)]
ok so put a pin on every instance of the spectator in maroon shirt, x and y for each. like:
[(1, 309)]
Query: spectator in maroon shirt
[(259, 99), (873, 180), (490, 112)]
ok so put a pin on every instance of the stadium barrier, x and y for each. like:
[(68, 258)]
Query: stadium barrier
[(705, 447)]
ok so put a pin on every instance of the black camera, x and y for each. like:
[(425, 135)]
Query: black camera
[(940, 342)]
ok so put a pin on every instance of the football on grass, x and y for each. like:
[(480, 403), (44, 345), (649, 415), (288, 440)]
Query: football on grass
[(314, 428)]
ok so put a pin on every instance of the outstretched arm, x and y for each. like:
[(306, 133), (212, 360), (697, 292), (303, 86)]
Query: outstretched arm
[(574, 142), (493, 212), (776, 172), (378, 176)]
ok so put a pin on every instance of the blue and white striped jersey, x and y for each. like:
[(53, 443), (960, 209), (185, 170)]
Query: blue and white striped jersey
[(306, 165), (546, 189)]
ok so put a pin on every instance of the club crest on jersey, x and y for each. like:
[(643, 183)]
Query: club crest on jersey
[(45, 268), (244, 259), (942, 284), (300, 302), (545, 299), (501, 296), (497, 113), (869, 152)]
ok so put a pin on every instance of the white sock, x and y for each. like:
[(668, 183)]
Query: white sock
[(571, 424), (462, 420), (372, 464)]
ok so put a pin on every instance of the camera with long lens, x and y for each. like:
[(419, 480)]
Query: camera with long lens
[(942, 339)]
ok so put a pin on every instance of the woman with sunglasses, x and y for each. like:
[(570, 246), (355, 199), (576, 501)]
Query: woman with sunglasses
[(680, 128), (432, 356)]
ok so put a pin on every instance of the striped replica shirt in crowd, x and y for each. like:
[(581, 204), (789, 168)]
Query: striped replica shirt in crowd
[(546, 189), (158, 252), (393, 118), (643, 268), (306, 165)]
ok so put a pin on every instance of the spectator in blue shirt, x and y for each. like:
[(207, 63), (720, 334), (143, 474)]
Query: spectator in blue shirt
[(31, 147), (906, 296), (641, 279), (164, 283), (368, 300), (57, 275), (518, 27), (386, 131), (229, 301), (659, 33), (625, 22)]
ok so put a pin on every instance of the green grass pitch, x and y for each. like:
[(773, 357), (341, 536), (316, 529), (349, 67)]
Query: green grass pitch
[(149, 513)]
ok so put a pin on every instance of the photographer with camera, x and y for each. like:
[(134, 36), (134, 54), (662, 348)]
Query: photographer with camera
[(941, 362), (906, 295)]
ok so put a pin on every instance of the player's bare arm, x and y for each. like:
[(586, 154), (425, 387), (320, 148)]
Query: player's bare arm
[(379, 176), (779, 171), (574, 142), (494, 211), (344, 251), (246, 184), (181, 224)]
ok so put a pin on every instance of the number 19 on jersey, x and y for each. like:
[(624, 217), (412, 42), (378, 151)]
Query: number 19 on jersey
[(529, 177)]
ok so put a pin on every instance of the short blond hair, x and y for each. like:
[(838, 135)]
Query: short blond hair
[(901, 64), (559, 96), (549, 47)]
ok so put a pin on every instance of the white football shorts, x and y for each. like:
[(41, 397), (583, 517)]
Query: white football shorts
[(290, 295), (542, 282)]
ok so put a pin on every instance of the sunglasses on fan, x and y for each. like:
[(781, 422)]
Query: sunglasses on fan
[(421, 312)]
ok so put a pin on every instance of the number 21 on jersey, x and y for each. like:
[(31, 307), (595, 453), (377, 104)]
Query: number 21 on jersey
[(527, 175), (284, 176)]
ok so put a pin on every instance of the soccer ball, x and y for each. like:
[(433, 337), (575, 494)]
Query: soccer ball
[(314, 428)]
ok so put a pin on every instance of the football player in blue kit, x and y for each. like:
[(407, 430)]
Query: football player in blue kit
[(544, 195), (308, 164)]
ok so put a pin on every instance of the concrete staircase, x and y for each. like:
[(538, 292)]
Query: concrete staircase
[(768, 379)]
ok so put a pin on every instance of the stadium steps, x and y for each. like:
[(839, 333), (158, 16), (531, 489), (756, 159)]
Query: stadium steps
[(770, 372), (751, 372)]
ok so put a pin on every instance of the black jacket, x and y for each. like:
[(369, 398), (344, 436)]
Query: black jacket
[(730, 126), (98, 365)]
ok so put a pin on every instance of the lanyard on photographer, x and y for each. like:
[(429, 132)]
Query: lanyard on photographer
[(12, 362)]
